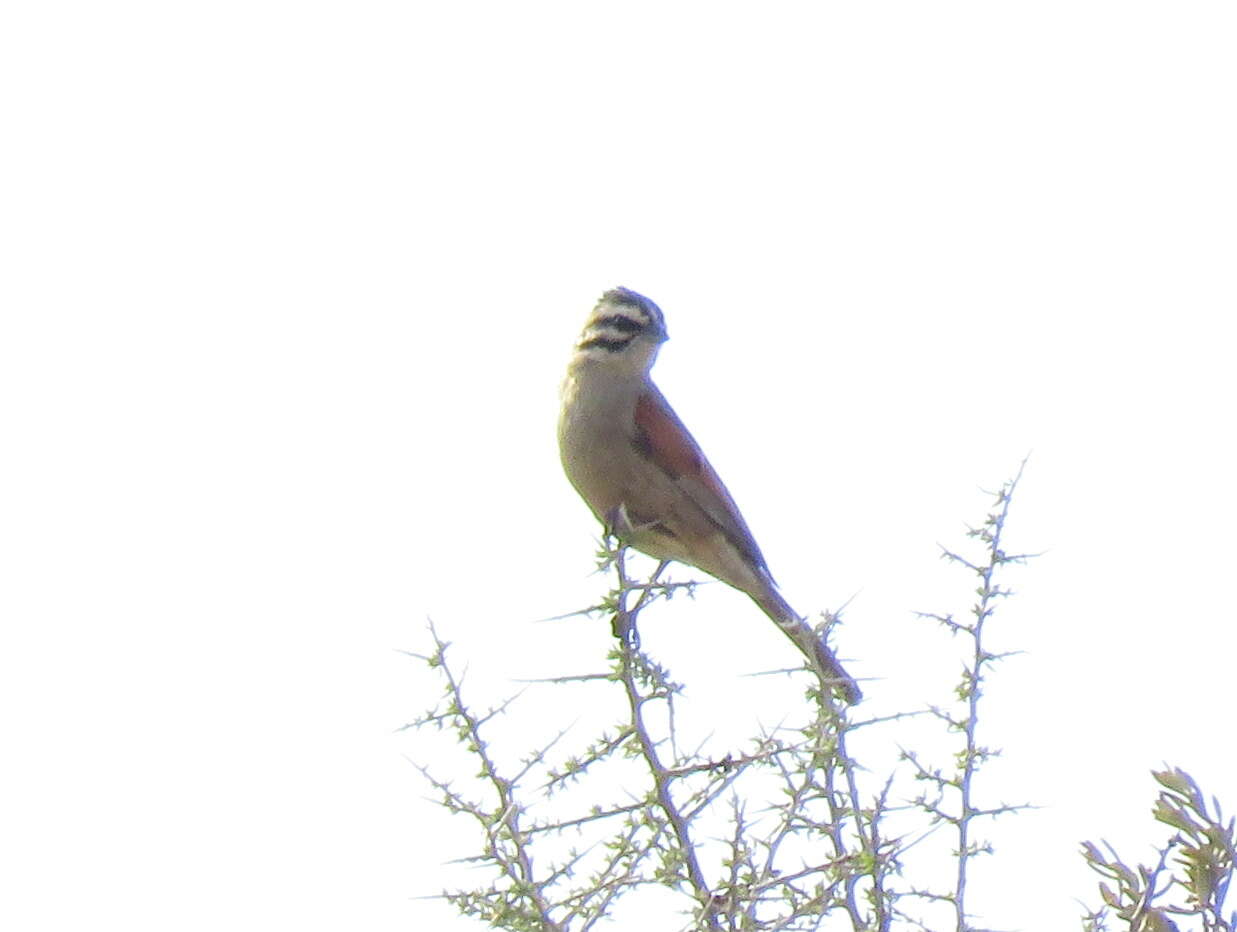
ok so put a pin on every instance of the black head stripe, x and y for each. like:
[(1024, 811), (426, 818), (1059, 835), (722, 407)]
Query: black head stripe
[(625, 297), (605, 343), (621, 323)]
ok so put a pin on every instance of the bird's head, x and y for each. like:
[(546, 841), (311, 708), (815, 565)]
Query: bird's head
[(625, 328)]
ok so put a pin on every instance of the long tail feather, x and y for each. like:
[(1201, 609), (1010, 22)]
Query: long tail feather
[(813, 648)]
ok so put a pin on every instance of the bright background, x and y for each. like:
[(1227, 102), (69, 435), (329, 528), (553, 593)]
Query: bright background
[(288, 292)]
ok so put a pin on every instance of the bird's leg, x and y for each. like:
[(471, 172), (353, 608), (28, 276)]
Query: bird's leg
[(618, 523), (621, 524)]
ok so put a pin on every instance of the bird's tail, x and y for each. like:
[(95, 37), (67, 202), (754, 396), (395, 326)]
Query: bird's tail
[(814, 648)]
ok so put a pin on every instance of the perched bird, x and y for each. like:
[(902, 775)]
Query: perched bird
[(645, 477)]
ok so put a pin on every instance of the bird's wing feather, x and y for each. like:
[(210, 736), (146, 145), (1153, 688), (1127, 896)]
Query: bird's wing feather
[(663, 439)]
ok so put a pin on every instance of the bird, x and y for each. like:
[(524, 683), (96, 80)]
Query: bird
[(645, 478)]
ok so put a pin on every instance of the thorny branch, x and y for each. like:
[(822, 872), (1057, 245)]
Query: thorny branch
[(783, 834)]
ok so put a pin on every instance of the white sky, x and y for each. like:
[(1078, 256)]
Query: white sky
[(289, 289)]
